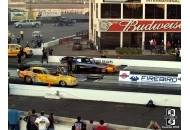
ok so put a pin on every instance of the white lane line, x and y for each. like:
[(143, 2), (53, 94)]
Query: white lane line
[(82, 80), (100, 81), (125, 68)]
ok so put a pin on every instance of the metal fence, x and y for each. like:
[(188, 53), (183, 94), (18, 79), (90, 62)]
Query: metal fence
[(83, 34)]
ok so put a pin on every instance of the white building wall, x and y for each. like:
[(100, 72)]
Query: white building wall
[(97, 20)]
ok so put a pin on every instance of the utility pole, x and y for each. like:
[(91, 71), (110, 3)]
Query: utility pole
[(30, 5)]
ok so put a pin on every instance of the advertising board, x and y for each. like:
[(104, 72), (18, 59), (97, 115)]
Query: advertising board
[(140, 25), (161, 1), (126, 76), (17, 16), (48, 14)]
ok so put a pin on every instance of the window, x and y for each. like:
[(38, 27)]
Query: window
[(154, 11), (132, 39), (110, 10), (110, 40), (37, 71), (96, 10), (92, 24), (133, 11), (174, 38), (157, 37), (173, 11), (45, 71)]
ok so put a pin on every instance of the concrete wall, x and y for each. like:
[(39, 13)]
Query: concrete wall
[(88, 94)]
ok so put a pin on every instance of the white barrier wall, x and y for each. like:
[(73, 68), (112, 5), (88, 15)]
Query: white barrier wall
[(88, 94), (37, 51), (50, 43), (129, 62)]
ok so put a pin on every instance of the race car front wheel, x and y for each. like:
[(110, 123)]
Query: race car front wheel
[(103, 70), (28, 80), (62, 83)]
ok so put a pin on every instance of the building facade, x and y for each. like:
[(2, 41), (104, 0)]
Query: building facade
[(134, 23)]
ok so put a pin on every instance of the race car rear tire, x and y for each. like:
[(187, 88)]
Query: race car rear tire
[(36, 25), (24, 55), (103, 70), (62, 83), (28, 80)]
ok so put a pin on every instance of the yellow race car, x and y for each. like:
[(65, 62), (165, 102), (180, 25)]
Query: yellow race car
[(40, 75), (13, 50)]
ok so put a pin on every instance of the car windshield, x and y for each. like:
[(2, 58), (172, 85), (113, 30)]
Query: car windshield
[(17, 46), (45, 71), (92, 61)]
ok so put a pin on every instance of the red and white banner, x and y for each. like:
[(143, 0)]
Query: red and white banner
[(140, 26)]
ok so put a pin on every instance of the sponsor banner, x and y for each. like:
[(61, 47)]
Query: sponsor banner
[(140, 26), (161, 1), (17, 16), (126, 76), (48, 14), (119, 1)]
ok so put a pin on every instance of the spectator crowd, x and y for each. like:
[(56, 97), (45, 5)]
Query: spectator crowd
[(35, 122)]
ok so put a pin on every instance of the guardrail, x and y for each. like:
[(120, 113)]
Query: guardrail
[(70, 38), (88, 94), (51, 21), (129, 62), (66, 123)]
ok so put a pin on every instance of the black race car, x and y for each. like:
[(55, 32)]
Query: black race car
[(81, 64)]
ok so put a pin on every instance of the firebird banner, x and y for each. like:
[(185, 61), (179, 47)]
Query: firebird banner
[(140, 26)]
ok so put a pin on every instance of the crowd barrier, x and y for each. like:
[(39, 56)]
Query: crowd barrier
[(129, 62), (66, 123), (70, 38), (50, 43), (52, 21), (37, 51), (158, 79), (103, 95)]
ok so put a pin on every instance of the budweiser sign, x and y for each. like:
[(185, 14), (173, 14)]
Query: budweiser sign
[(140, 26)]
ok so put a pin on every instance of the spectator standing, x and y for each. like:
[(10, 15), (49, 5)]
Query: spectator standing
[(101, 126), (50, 51), (32, 119), (153, 126), (42, 122), (13, 118), (69, 65), (22, 34), (22, 53), (19, 58), (39, 43), (103, 55), (44, 55), (26, 119), (9, 40), (12, 38), (51, 120), (79, 125), (27, 44), (18, 40), (8, 83), (90, 126)]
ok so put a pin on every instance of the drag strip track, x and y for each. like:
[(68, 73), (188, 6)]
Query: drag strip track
[(89, 84)]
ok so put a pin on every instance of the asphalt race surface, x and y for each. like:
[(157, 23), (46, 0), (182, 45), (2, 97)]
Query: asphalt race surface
[(115, 113), (94, 84), (48, 31)]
